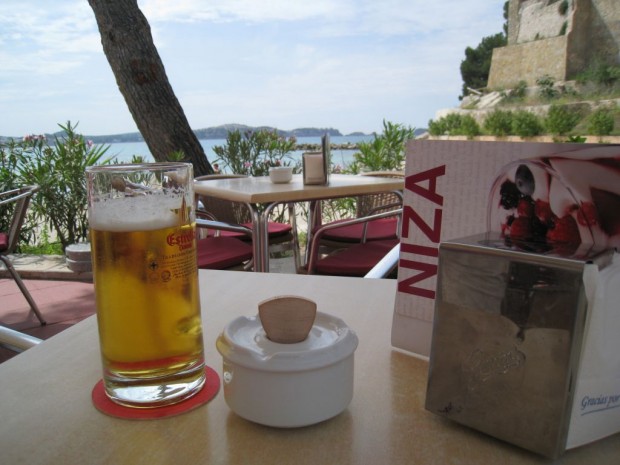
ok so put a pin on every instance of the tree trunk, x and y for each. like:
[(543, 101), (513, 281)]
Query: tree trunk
[(141, 77)]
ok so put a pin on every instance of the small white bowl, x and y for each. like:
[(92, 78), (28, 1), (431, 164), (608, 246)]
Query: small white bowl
[(281, 174), (288, 385)]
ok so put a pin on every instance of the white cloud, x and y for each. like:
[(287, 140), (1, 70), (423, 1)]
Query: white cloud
[(341, 63), (41, 41), (243, 10)]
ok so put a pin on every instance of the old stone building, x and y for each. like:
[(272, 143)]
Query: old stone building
[(558, 38)]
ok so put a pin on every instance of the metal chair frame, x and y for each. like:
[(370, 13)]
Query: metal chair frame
[(316, 243), (205, 221), (368, 205), (16, 340), (386, 266), (21, 197)]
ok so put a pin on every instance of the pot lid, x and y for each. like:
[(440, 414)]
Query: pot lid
[(244, 342)]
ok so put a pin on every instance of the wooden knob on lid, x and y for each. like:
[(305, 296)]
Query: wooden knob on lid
[(287, 319)]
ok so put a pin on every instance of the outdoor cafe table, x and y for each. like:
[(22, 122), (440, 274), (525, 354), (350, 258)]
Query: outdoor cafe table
[(262, 196), (47, 417)]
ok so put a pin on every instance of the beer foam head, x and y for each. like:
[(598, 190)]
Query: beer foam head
[(139, 213)]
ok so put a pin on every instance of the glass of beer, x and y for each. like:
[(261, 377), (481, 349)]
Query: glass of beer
[(143, 241)]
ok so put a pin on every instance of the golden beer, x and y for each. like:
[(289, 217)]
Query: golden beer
[(148, 304)]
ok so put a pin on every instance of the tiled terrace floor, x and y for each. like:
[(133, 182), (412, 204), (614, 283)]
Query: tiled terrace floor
[(62, 303), (62, 299)]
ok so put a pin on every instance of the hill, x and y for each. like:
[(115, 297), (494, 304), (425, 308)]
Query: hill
[(217, 132)]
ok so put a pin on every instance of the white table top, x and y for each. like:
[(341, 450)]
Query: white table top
[(47, 416), (257, 190)]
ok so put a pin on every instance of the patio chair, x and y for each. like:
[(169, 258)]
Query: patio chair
[(16, 340), (282, 236), (349, 234), (222, 252), (386, 266), (8, 239), (357, 260)]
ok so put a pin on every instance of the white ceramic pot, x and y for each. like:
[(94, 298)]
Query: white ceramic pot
[(288, 385), (281, 174)]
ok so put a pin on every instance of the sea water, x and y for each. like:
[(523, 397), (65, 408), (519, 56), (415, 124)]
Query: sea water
[(124, 151)]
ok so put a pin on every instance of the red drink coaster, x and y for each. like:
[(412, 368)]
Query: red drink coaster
[(105, 405)]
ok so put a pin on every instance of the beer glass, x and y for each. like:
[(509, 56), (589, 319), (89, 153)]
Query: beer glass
[(143, 240)]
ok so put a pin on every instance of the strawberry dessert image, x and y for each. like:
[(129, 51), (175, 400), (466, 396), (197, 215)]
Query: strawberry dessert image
[(558, 204)]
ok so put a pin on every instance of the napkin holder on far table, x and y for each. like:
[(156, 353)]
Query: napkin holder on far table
[(316, 164)]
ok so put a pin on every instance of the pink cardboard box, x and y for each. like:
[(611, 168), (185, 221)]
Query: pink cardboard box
[(447, 193)]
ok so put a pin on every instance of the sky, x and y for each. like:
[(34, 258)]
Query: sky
[(343, 64)]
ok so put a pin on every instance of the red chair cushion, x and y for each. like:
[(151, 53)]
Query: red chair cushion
[(218, 253), (380, 229), (356, 260), (4, 241), (275, 230)]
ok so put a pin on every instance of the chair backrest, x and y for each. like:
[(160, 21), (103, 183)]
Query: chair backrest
[(386, 265), (372, 203), (21, 197), (354, 252), (224, 210)]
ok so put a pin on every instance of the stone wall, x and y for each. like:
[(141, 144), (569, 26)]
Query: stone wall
[(604, 30), (527, 62), (541, 20), (536, 46)]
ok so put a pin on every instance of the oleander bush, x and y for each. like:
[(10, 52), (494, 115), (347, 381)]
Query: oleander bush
[(254, 152), (59, 208), (386, 152)]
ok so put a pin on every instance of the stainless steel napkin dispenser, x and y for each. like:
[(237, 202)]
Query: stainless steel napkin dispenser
[(507, 336)]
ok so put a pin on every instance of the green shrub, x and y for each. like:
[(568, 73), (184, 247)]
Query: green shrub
[(58, 170), (526, 124), (385, 152), (563, 7), (601, 122), (547, 90), (499, 123), (561, 120), (254, 152), (454, 124), (469, 126), (518, 93), (434, 127), (601, 74), (446, 125)]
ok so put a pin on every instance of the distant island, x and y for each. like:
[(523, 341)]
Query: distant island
[(217, 132)]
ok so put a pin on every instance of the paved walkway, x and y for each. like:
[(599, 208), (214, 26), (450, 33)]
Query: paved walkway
[(43, 267)]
